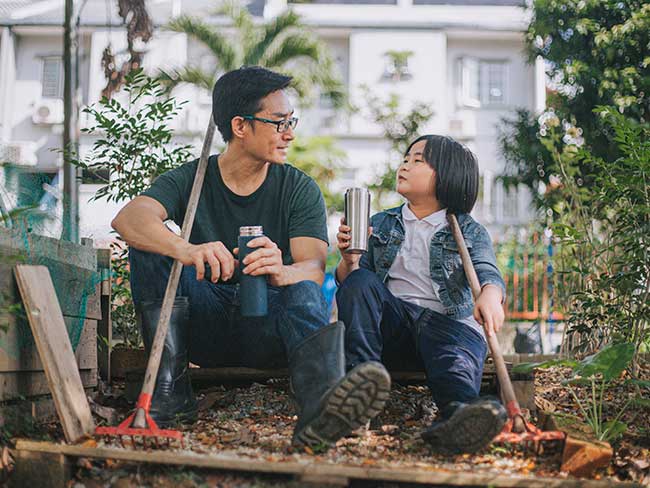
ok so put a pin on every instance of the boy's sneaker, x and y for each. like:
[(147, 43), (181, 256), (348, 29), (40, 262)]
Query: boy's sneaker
[(470, 428)]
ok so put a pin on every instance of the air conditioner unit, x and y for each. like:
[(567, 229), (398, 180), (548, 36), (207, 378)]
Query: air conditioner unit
[(18, 153), (48, 111)]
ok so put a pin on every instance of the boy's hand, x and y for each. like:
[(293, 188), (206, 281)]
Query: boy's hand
[(343, 242), (488, 310)]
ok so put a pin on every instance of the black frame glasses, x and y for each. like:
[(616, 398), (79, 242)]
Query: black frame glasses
[(281, 125)]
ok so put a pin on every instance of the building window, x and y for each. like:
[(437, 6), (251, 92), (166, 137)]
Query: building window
[(52, 77), (493, 82), (397, 65), (482, 82)]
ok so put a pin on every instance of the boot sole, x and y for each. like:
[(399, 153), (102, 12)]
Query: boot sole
[(468, 431), (358, 397)]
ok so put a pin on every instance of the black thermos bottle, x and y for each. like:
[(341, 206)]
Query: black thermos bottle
[(252, 289)]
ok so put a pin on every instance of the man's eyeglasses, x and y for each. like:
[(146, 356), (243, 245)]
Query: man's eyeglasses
[(282, 125)]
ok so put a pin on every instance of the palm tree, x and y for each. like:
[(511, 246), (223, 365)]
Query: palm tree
[(283, 44)]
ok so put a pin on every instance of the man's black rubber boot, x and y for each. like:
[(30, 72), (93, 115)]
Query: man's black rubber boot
[(331, 403), (470, 428), (173, 399)]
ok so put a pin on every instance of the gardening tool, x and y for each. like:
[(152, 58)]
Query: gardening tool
[(517, 429), (139, 423)]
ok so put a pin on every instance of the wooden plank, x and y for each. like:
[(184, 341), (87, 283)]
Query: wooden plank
[(232, 461), (78, 295), (104, 326), (26, 384), (41, 469), (55, 350), (34, 245), (18, 351), (38, 408)]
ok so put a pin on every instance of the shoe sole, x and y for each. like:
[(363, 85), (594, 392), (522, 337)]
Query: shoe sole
[(358, 398), (470, 430)]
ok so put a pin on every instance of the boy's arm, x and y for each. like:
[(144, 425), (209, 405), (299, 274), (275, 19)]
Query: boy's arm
[(485, 262), (488, 309)]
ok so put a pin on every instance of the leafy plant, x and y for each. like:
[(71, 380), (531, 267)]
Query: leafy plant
[(321, 159), (604, 229), (399, 128), (597, 371), (594, 56), (134, 147)]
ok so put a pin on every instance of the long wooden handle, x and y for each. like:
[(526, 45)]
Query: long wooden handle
[(172, 284), (507, 391)]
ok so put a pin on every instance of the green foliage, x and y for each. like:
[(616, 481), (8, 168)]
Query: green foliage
[(135, 147), (598, 371), (321, 159), (284, 44), (604, 231), (399, 128), (136, 143), (596, 54)]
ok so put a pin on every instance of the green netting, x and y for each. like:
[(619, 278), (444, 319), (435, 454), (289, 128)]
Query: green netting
[(30, 227)]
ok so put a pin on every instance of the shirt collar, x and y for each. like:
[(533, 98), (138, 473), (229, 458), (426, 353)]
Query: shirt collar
[(435, 219)]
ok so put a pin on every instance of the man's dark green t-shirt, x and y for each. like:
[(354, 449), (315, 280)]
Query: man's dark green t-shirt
[(288, 204)]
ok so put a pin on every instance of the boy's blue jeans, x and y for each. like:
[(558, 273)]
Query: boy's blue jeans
[(381, 327), (219, 335)]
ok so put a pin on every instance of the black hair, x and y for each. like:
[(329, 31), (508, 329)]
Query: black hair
[(456, 169), (240, 92)]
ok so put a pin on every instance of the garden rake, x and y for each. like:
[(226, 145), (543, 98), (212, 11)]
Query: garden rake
[(140, 425), (517, 430)]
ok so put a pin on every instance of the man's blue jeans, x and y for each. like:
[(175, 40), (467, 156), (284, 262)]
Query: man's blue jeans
[(219, 335), (381, 327)]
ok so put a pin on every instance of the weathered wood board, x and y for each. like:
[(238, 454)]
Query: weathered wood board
[(55, 350)]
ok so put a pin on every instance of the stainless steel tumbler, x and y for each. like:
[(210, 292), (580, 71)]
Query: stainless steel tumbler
[(357, 217), (253, 293)]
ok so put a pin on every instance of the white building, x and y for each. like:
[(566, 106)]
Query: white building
[(466, 61)]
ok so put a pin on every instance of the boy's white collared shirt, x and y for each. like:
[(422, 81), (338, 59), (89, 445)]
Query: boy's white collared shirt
[(409, 277)]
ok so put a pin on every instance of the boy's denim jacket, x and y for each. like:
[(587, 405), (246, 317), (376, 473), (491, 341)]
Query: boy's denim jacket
[(446, 268)]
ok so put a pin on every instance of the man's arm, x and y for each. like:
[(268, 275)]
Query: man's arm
[(141, 225), (309, 256)]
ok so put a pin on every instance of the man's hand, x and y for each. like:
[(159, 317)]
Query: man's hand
[(488, 310), (265, 260), (221, 261)]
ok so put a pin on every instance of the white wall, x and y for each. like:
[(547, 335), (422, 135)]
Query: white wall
[(367, 64)]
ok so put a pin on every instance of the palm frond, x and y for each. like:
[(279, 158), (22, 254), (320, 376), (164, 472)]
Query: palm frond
[(270, 32), (242, 20), (192, 75), (223, 49), (290, 48)]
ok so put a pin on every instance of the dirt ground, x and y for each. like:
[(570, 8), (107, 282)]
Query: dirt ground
[(255, 421)]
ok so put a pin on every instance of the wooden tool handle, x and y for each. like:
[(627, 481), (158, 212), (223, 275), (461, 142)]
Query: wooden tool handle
[(507, 391), (174, 277)]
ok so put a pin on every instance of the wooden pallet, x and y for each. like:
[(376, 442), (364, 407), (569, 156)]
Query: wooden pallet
[(49, 464)]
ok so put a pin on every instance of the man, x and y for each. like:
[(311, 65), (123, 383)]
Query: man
[(248, 184)]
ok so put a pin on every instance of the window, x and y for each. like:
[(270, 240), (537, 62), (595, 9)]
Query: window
[(52, 77), (493, 82), (482, 82)]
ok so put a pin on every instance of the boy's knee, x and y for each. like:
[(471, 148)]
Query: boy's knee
[(357, 283)]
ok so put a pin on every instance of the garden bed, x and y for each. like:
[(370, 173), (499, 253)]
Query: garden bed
[(254, 423)]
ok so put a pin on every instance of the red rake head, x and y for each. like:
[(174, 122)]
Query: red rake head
[(138, 435), (518, 431)]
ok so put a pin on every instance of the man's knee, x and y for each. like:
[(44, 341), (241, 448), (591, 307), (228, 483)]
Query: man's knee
[(357, 284), (304, 294)]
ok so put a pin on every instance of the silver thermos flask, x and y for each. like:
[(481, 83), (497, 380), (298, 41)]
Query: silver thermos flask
[(357, 217)]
